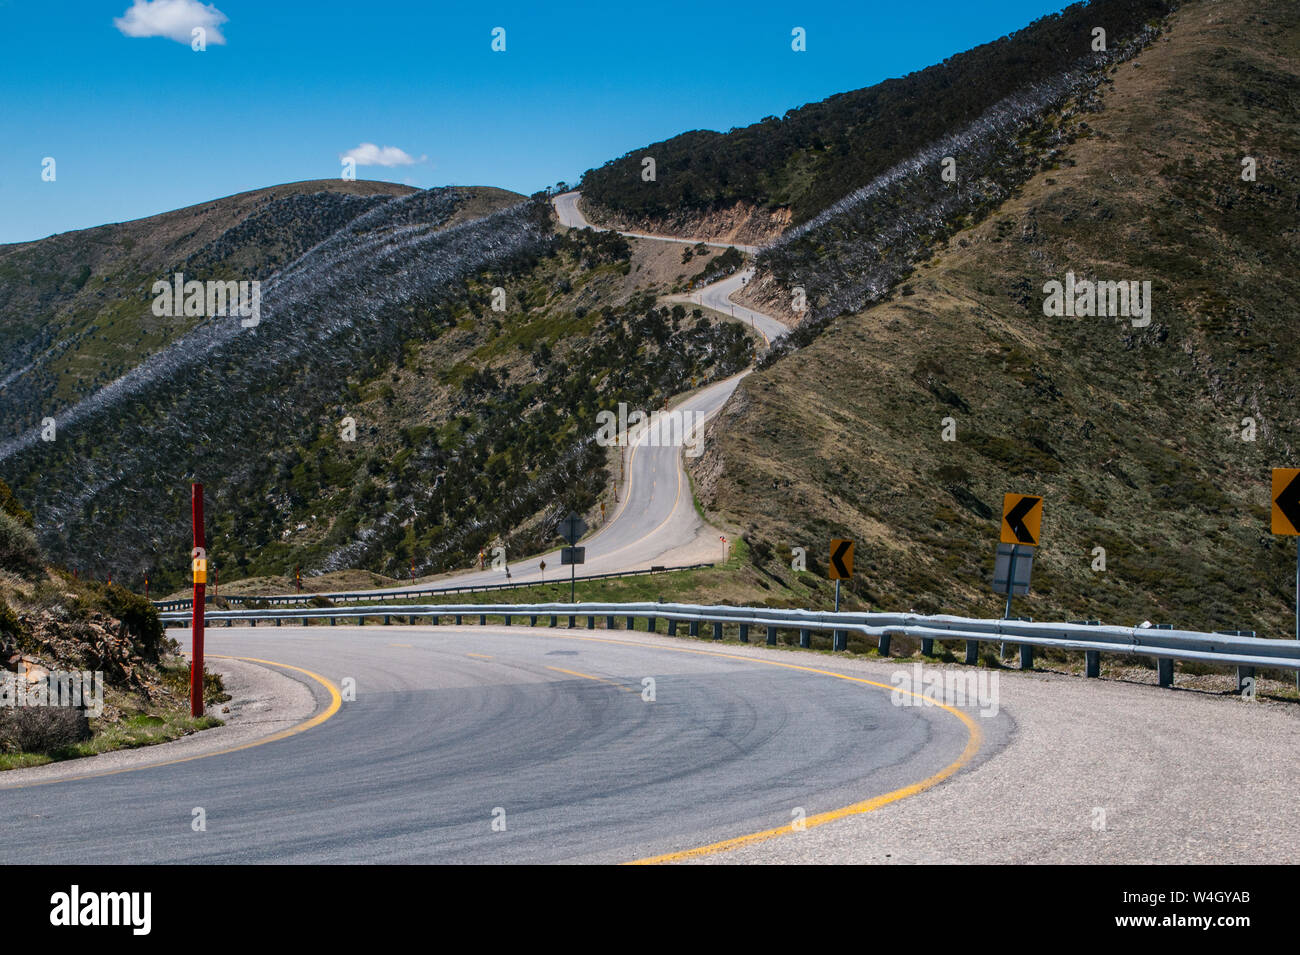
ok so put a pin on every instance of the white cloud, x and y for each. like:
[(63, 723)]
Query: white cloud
[(368, 154), (174, 19)]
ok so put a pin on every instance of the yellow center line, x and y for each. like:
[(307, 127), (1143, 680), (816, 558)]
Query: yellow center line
[(336, 702), (481, 656), (588, 676), (400, 645)]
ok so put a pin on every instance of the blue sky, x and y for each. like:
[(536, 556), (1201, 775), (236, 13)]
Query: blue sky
[(142, 124)]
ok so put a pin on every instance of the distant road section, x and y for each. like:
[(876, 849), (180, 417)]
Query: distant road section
[(655, 521), (566, 207), (716, 296)]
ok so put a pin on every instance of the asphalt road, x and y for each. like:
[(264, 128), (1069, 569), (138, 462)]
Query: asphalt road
[(655, 516), (453, 728)]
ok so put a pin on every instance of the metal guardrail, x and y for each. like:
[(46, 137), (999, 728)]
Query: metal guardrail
[(358, 596), (1165, 645)]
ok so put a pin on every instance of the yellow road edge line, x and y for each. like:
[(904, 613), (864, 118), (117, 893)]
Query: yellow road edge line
[(974, 740), (336, 701), (588, 676)]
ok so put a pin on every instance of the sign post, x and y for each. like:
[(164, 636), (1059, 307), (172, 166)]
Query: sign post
[(1022, 519), (1286, 521), (200, 570), (841, 568), (571, 529)]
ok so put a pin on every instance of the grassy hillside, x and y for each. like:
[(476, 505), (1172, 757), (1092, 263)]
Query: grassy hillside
[(1133, 434), (815, 155), (75, 307)]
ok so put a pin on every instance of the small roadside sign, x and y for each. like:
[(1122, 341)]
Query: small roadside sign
[(1286, 501), (573, 555), (841, 566), (572, 528), (1002, 568), (1022, 518)]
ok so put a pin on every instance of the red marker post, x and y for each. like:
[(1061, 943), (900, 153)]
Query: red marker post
[(200, 567)]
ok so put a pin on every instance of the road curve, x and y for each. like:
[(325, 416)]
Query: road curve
[(571, 217), (546, 731), (655, 521)]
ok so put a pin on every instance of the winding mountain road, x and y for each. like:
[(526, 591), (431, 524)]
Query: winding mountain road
[(716, 296), (655, 522)]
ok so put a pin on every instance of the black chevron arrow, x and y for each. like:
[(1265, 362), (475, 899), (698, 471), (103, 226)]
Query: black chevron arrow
[(1288, 502), (1016, 519), (838, 555)]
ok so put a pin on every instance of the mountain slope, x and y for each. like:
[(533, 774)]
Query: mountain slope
[(1132, 434), (815, 155), (390, 408), (75, 307)]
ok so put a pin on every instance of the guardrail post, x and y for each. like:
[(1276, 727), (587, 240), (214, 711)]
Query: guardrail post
[(591, 622), (652, 625), (805, 638), (610, 623), (482, 620), (631, 623), (532, 620), (840, 641), (1026, 656), (277, 621), (302, 621), (744, 633), (883, 646), (555, 621), (694, 628), (572, 621), (717, 630), (1244, 674), (333, 622), (927, 646), (1092, 663), (227, 621), (771, 636), (387, 620), (672, 627), (972, 652), (1165, 671), (506, 619)]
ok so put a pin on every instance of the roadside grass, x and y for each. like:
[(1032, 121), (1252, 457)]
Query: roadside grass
[(132, 732)]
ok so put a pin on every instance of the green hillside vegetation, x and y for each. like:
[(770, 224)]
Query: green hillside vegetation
[(1133, 435), (76, 306), (816, 154), (480, 431)]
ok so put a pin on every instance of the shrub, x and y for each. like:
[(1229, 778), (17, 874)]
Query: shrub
[(9, 505), (41, 729), (141, 620), (18, 550)]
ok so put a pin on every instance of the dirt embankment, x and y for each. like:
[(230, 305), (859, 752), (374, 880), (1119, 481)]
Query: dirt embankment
[(744, 223), (763, 293)]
